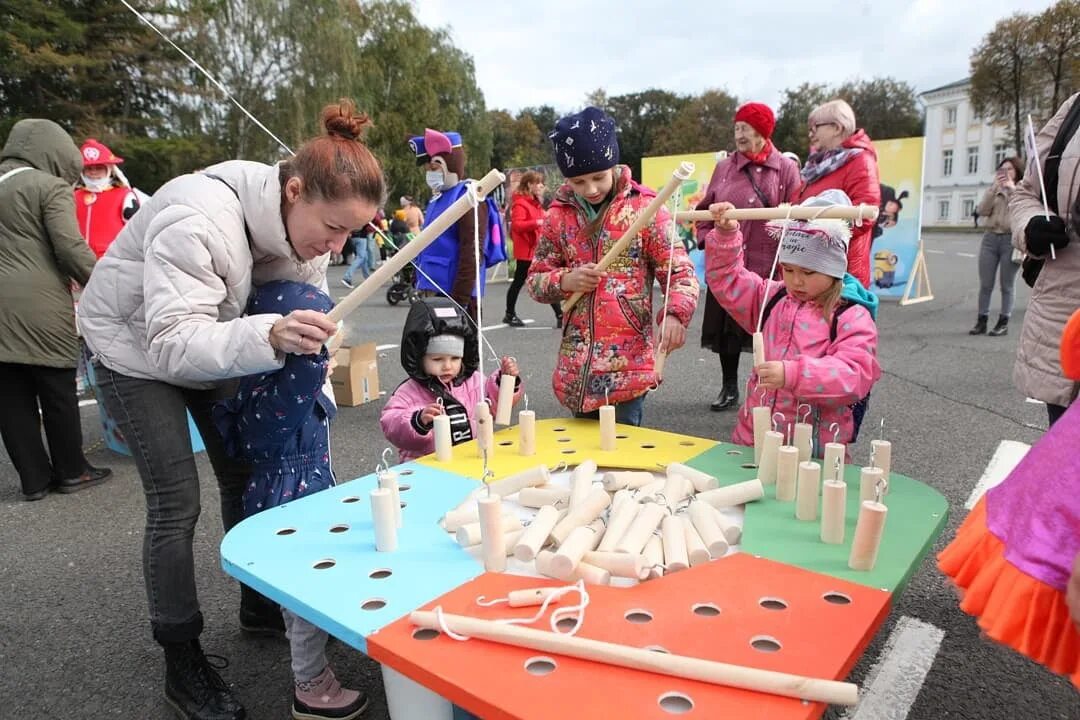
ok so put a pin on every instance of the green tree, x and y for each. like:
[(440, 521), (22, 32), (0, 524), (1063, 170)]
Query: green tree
[(704, 124), (1005, 84), (790, 133), (639, 117), (1056, 32), (88, 64), (884, 107)]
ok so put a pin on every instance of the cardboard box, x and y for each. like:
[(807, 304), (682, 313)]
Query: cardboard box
[(356, 378)]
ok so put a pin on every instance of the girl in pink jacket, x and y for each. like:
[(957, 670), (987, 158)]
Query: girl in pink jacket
[(439, 353), (608, 345), (819, 331)]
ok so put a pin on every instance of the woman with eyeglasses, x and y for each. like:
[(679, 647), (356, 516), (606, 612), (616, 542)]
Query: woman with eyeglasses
[(842, 157)]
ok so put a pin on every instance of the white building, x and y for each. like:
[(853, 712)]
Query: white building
[(962, 152)]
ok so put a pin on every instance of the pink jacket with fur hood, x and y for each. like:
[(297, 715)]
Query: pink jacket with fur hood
[(411, 396), (827, 375)]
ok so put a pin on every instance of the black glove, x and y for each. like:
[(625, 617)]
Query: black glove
[(1041, 233)]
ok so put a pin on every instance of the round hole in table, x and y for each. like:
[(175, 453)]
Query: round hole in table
[(773, 603), (350, 499), (425, 634), (380, 573), (540, 666), (765, 643), (638, 616), (339, 528), (706, 609), (836, 598), (325, 564), (286, 531), (373, 604), (675, 703)]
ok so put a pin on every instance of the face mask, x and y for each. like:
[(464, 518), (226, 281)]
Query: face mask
[(97, 185), (434, 179)]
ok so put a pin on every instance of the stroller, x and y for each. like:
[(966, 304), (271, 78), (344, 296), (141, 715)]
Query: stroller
[(403, 284)]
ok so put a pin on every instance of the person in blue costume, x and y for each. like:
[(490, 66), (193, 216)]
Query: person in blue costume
[(449, 262), (279, 423)]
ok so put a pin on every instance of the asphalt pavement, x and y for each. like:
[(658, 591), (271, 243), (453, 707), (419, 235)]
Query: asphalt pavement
[(75, 642)]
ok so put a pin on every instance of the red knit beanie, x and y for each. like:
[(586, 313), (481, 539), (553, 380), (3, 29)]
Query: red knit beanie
[(758, 116)]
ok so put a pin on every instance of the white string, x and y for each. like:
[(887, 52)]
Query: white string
[(208, 76), (559, 614), (772, 272), (673, 234)]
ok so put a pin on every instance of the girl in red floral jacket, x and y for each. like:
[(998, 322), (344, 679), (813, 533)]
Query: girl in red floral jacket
[(608, 347)]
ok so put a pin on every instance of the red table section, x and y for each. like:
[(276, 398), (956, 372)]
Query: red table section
[(740, 609)]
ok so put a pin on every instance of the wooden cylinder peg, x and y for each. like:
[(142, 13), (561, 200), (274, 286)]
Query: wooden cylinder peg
[(590, 508), (527, 433), (384, 519), (695, 547), (834, 454), (869, 477), (881, 451), (389, 479), (868, 533), (701, 481), (538, 497), (619, 564), (787, 471), (732, 495), (444, 445), (536, 535), (759, 348), (512, 539), (626, 479), (505, 406), (642, 527), (485, 430), (581, 480), (654, 557), (673, 537), (492, 533), (533, 477), (570, 552), (833, 511), (618, 523), (591, 574), (732, 533), (607, 428), (676, 489), (806, 493), (647, 493), (471, 534), (529, 598), (762, 416), (804, 440), (767, 465), (703, 517)]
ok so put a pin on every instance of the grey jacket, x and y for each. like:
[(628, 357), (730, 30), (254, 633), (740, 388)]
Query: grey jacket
[(41, 250), (1056, 294), (167, 300)]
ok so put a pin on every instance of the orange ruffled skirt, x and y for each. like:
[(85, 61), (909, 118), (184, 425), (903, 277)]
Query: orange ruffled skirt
[(1012, 607)]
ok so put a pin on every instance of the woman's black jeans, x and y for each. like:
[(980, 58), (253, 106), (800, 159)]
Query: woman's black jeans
[(152, 416)]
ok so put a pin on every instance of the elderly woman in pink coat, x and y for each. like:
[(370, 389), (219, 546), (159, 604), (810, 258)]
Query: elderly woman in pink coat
[(757, 175)]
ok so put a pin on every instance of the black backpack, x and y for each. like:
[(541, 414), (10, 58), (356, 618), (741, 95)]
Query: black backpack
[(1031, 267), (858, 408)]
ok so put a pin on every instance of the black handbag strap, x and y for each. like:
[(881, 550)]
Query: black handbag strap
[(1053, 158), (765, 202)]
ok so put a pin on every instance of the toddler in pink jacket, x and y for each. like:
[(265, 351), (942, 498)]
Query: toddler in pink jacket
[(819, 331), (440, 354)]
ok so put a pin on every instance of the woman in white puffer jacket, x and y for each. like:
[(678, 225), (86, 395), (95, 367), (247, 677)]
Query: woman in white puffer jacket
[(163, 316)]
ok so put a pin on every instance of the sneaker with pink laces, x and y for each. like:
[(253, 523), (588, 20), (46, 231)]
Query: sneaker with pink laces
[(324, 697)]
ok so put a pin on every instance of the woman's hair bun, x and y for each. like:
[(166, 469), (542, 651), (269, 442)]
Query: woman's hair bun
[(344, 120)]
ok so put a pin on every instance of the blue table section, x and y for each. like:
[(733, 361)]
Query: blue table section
[(316, 556)]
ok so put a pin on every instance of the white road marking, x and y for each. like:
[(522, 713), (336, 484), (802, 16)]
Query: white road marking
[(1033, 401), (500, 326), (1008, 454), (971, 255), (893, 684), (380, 348), (84, 403), (936, 252)]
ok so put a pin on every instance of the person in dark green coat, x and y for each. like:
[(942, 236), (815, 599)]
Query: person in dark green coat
[(41, 253)]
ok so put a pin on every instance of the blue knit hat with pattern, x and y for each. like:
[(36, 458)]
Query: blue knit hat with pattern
[(585, 143)]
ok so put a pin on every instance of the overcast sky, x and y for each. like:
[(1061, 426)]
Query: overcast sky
[(556, 51)]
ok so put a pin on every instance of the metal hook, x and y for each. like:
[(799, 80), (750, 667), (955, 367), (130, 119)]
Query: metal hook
[(775, 423), (560, 467), (607, 401), (525, 400), (879, 488), (835, 427), (481, 601), (764, 394), (798, 409), (881, 429), (385, 452)]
